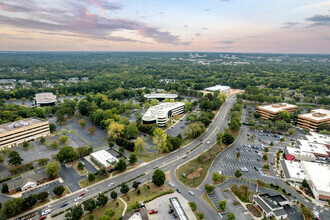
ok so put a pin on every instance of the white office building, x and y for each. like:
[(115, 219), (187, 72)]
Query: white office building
[(217, 88), (103, 158), (159, 114), (293, 171), (299, 154), (45, 99), (160, 96)]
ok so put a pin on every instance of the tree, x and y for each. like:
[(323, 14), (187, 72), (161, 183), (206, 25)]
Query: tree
[(42, 140), (110, 213), (194, 130), (25, 144), (285, 115), (304, 183), (124, 188), (200, 215), (260, 183), (160, 140), (64, 132), (101, 199), (52, 127), (82, 123), (52, 168), (135, 185), (266, 149), (14, 158), (121, 165), (92, 130), (66, 154), (238, 154), (91, 176), (54, 144), (121, 150), (113, 195), (193, 206), (266, 166), (307, 212), (4, 188), (265, 157), (42, 196), (132, 130), (132, 158), (291, 131), (74, 213), (116, 130), (158, 177), (1, 161), (222, 205), (238, 173), (139, 145), (89, 205), (12, 207), (228, 138), (216, 177), (58, 190), (231, 216), (209, 188), (154, 102), (63, 139), (80, 165), (219, 137)]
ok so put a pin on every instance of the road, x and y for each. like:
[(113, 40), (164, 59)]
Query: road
[(167, 163)]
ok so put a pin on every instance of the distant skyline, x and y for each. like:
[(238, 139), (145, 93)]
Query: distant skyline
[(248, 26)]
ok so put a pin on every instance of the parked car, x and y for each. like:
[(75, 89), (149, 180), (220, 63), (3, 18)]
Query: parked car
[(155, 167), (111, 184), (171, 184), (191, 193), (178, 190), (153, 211), (208, 142), (42, 217), (81, 194), (77, 199), (46, 212), (63, 205)]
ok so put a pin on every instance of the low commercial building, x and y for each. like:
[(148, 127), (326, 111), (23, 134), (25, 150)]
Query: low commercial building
[(293, 171), (29, 129), (218, 88), (45, 99), (318, 176), (178, 210), (272, 205), (299, 154), (272, 111), (159, 114), (313, 120), (314, 137), (137, 214), (320, 151), (27, 182), (160, 96), (103, 158)]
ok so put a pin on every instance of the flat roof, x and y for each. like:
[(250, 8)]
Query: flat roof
[(317, 114), (294, 169), (160, 110), (178, 208), (160, 96), (298, 152), (318, 138), (318, 174), (11, 126), (104, 157), (311, 147), (262, 204), (46, 97), (277, 107), (217, 88)]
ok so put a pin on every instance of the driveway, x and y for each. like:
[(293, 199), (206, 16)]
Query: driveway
[(70, 178)]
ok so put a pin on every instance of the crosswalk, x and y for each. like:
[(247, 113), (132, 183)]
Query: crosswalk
[(234, 167), (246, 176), (246, 159)]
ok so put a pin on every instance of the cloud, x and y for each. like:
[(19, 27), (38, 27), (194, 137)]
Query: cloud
[(185, 26), (204, 28), (319, 20), (198, 34), (224, 42), (76, 20), (289, 24), (207, 9)]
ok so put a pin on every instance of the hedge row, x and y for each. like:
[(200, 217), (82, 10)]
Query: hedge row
[(159, 195)]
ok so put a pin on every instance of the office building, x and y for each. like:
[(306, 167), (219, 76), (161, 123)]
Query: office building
[(312, 121), (159, 114), (160, 96), (103, 158), (45, 99), (15, 133), (320, 151), (272, 111), (293, 171), (218, 88), (299, 155), (28, 181)]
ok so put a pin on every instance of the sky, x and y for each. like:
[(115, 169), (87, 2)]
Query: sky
[(256, 26)]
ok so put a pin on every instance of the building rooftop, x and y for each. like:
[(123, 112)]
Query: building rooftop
[(277, 107), (24, 180), (318, 138), (293, 169), (11, 126), (317, 115), (178, 208), (46, 97), (319, 174), (217, 88), (310, 147), (160, 96), (104, 157), (298, 152), (160, 110), (262, 204)]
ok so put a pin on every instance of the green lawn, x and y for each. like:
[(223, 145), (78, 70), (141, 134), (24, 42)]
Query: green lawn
[(84, 182), (207, 199), (66, 192), (99, 212), (75, 166), (146, 194), (147, 157)]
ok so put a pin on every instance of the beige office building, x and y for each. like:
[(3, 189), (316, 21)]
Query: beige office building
[(15, 133), (313, 120), (272, 111)]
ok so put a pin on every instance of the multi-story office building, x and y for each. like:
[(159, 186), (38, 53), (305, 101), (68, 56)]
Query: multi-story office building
[(313, 120), (272, 111), (160, 96), (15, 133), (45, 99), (159, 114)]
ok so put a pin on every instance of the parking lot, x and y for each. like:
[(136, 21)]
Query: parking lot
[(47, 187)]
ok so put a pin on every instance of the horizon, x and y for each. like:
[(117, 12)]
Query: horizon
[(223, 26)]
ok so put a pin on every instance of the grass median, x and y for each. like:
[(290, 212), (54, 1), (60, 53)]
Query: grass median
[(84, 182), (99, 212)]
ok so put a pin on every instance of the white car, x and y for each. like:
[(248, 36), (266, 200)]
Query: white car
[(171, 184), (111, 184), (191, 193), (208, 142), (46, 212), (78, 198), (220, 172), (316, 214)]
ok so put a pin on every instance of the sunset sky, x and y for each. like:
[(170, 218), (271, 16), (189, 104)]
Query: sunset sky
[(271, 26)]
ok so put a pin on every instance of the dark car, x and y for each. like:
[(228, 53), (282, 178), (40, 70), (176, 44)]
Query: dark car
[(178, 190), (63, 205)]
